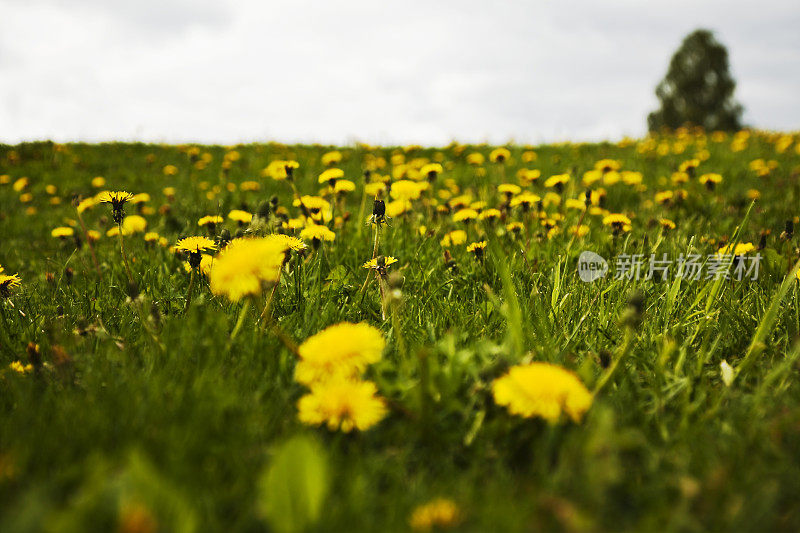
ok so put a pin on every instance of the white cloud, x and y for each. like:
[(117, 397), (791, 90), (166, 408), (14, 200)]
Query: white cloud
[(178, 70)]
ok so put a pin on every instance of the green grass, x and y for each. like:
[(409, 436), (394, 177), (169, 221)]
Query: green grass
[(156, 409)]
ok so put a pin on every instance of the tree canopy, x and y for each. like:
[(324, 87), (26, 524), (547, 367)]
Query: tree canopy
[(698, 88)]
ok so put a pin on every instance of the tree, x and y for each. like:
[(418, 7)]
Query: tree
[(698, 88)]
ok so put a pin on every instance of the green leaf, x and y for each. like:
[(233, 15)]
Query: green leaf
[(293, 487)]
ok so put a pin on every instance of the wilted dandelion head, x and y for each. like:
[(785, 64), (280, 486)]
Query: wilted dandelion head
[(341, 350), (342, 404), (542, 390)]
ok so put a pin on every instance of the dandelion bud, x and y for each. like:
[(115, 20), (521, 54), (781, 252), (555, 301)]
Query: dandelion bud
[(69, 274), (605, 358), (50, 278), (263, 210), (378, 208), (788, 230), (632, 316), (223, 238), (133, 290), (34, 356)]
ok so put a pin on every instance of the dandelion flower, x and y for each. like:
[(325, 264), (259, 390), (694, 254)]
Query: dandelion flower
[(330, 176), (134, 224), (241, 217), (8, 283), (342, 404), (542, 390), (317, 233), (475, 159), (406, 190), (380, 262), (210, 221), (509, 189), (332, 158), (740, 249), (62, 232), (557, 181), (245, 266), (617, 221), (440, 513), (454, 238), (499, 155), (341, 350), (195, 244), (477, 248), (20, 368), (464, 215)]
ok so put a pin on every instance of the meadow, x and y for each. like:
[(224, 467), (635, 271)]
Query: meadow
[(270, 337)]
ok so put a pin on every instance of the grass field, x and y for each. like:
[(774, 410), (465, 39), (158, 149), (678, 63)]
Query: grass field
[(671, 404)]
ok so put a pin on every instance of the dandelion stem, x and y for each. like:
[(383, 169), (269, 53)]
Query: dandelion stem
[(240, 321), (377, 240), (621, 353), (124, 255), (189, 292), (266, 314)]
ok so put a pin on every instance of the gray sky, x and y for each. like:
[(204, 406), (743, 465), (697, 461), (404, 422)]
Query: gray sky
[(412, 71)]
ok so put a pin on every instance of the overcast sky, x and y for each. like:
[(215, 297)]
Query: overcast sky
[(412, 71)]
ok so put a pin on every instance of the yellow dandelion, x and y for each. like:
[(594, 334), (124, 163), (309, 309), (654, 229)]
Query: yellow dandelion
[(475, 159), (499, 155), (245, 266), (509, 189), (19, 367), (380, 262), (454, 238), (62, 232), (406, 190), (437, 514), (331, 175), (134, 224), (740, 249), (542, 390), (558, 180), (8, 283), (210, 220), (317, 233), (465, 214), (342, 404), (344, 186), (195, 244), (341, 350), (242, 217)]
